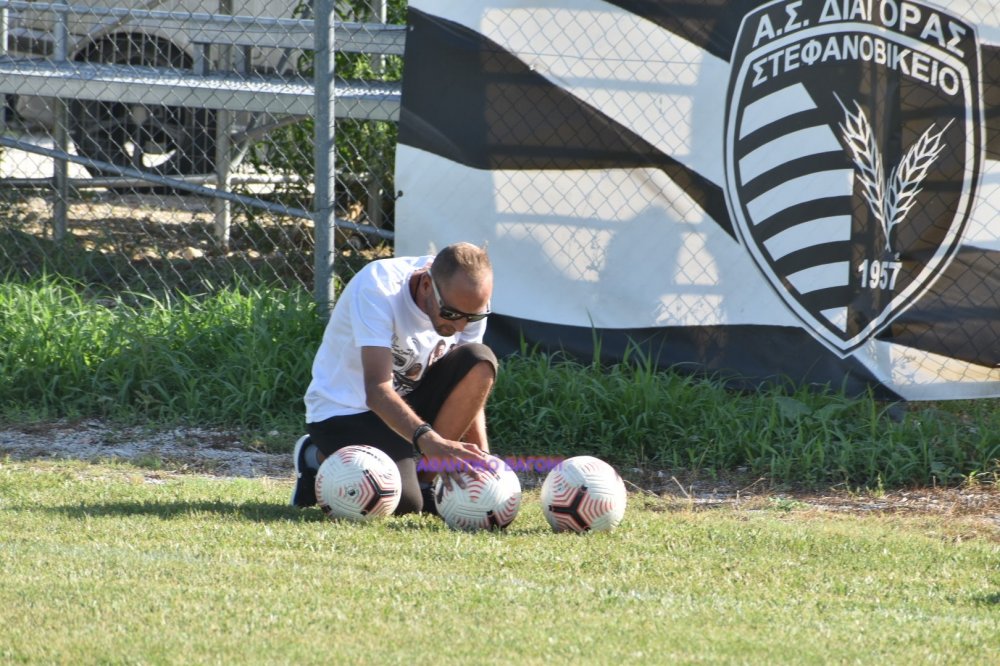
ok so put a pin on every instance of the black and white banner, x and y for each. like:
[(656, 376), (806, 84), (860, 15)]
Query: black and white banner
[(798, 189)]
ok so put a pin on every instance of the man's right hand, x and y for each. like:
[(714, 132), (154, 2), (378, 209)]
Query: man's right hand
[(452, 457)]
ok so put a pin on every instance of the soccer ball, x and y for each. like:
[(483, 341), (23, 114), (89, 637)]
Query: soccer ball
[(489, 501), (358, 483), (583, 494)]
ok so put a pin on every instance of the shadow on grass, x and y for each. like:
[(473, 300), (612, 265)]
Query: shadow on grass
[(250, 511), (253, 511)]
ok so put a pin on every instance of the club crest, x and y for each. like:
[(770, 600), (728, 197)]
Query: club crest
[(853, 150)]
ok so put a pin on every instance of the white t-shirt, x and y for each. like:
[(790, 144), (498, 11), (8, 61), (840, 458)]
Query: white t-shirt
[(376, 309)]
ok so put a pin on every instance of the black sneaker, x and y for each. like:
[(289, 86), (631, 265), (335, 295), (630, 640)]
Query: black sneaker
[(304, 493)]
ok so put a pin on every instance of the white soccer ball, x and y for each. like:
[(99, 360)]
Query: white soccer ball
[(583, 494), (358, 483), (489, 501)]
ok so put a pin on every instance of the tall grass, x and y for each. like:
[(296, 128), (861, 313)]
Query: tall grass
[(237, 356), (634, 413), (241, 358)]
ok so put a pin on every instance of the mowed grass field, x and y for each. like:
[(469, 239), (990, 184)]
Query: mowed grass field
[(110, 563)]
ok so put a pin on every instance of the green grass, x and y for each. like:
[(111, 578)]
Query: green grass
[(115, 564), (237, 356), (241, 357), (636, 414)]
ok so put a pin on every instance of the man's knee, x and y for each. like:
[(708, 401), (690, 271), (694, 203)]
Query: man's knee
[(483, 373), (481, 359)]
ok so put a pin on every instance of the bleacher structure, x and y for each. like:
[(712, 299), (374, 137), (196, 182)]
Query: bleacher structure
[(234, 88)]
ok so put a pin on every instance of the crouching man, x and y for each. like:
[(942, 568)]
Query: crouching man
[(402, 367)]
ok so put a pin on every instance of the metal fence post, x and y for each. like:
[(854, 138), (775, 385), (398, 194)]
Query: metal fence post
[(222, 208), (60, 167), (4, 36), (324, 215), (375, 186)]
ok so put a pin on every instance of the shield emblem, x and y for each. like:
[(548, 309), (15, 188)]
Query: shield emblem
[(853, 150)]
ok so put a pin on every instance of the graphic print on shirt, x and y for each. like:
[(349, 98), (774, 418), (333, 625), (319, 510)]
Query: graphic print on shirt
[(406, 366), (439, 351)]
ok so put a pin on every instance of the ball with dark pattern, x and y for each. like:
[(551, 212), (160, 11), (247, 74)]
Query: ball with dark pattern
[(490, 500), (358, 483), (583, 494)]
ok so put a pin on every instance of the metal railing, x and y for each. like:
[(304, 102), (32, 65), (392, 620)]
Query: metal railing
[(95, 75)]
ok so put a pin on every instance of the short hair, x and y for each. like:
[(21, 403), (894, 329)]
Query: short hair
[(466, 257)]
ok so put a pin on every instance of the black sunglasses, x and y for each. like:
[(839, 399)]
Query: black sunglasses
[(450, 313)]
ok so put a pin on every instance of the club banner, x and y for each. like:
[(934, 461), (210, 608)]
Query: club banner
[(803, 190)]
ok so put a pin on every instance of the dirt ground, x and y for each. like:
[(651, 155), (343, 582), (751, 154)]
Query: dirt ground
[(222, 454), (180, 450)]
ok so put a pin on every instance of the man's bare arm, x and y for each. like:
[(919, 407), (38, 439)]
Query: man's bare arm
[(397, 414)]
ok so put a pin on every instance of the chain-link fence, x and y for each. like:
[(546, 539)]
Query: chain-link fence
[(169, 145), (179, 145)]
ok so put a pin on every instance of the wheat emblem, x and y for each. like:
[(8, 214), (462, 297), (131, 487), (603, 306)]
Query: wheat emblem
[(890, 199)]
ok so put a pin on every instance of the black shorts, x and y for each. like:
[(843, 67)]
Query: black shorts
[(426, 399)]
